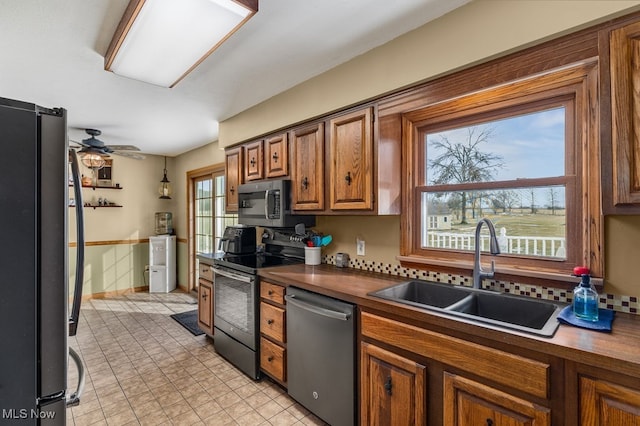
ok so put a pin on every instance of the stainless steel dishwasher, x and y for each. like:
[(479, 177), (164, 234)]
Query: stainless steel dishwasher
[(321, 355)]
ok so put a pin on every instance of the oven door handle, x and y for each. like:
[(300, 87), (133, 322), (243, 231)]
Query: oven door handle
[(342, 316), (234, 276)]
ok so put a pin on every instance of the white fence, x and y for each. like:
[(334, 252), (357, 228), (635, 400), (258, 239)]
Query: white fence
[(534, 246)]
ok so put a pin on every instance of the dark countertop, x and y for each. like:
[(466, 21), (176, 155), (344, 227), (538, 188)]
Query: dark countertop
[(617, 351)]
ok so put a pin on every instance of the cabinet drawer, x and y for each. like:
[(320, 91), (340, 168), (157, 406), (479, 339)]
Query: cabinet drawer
[(205, 271), (272, 292), (272, 321), (273, 359)]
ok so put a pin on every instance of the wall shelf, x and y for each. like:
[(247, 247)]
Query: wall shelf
[(94, 187)]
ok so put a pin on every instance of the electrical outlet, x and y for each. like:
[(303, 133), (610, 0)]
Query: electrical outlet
[(360, 247)]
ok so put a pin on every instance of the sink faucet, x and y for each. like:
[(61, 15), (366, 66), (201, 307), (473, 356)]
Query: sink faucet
[(478, 273)]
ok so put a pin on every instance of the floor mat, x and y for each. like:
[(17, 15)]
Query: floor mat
[(189, 320)]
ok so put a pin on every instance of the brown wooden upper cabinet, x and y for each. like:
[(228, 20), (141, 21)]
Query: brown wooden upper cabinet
[(625, 113), (277, 156), (307, 173), (351, 163), (233, 170), (253, 157)]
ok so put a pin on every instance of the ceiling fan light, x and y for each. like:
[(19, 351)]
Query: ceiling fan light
[(92, 160), (161, 41)]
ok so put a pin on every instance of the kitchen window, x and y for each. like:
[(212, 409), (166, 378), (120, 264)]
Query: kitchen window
[(524, 154)]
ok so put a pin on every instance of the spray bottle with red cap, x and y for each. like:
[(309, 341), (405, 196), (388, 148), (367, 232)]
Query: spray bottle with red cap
[(585, 297)]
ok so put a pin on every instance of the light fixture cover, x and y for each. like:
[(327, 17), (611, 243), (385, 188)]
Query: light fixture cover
[(161, 41)]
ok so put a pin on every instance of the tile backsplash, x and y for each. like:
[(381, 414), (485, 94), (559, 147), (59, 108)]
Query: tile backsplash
[(607, 301)]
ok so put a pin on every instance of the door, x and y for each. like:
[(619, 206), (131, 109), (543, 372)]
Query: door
[(205, 306), (253, 154), (233, 166), (469, 403), (307, 186), (393, 388), (351, 173), (207, 215), (277, 156), (605, 403)]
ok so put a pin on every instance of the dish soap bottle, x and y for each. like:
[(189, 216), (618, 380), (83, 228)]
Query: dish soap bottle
[(585, 297)]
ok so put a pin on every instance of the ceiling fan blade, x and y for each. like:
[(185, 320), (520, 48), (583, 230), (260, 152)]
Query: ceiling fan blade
[(129, 154), (123, 147)]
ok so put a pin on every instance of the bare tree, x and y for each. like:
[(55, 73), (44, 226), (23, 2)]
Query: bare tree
[(553, 199), (463, 162)]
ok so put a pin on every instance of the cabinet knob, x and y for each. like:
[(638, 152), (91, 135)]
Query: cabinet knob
[(388, 386), (489, 422), (348, 178), (232, 190), (270, 292), (275, 157), (204, 296), (270, 321), (252, 161), (270, 358), (305, 182)]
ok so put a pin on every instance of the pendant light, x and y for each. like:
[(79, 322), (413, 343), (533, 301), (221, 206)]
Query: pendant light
[(165, 186)]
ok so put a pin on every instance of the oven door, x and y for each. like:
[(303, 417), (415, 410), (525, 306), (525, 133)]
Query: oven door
[(236, 305)]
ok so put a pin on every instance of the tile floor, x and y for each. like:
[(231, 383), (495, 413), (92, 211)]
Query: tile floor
[(143, 368)]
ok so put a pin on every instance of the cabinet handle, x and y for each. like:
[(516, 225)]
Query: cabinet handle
[(348, 178), (232, 190), (270, 292), (275, 157), (388, 386), (489, 422), (252, 161), (269, 321), (305, 182), (204, 296), (270, 358)]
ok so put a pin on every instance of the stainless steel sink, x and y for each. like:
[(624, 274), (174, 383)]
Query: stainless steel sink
[(481, 306)]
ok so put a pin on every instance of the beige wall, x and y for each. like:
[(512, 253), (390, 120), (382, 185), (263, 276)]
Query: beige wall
[(114, 258), (480, 30)]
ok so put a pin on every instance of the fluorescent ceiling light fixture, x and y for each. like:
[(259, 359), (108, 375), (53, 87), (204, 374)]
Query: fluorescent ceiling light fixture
[(161, 41)]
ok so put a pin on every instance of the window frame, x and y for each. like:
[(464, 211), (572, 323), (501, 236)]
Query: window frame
[(576, 88)]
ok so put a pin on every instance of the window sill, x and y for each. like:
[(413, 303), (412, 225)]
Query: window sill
[(525, 276)]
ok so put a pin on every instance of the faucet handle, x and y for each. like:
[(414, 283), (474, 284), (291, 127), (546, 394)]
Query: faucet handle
[(493, 269)]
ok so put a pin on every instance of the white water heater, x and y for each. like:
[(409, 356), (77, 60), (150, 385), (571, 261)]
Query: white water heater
[(162, 263)]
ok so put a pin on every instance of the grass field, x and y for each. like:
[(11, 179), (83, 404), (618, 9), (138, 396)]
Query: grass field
[(522, 223)]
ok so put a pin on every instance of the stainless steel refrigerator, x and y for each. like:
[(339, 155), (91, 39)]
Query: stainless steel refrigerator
[(34, 290)]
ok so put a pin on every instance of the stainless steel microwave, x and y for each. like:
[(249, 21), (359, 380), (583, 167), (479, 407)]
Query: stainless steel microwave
[(268, 204)]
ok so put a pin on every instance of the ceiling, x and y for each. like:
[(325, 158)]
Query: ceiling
[(53, 55)]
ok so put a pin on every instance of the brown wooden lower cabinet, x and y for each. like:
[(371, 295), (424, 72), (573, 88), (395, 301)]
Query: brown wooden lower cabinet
[(604, 403), (273, 331), (392, 388), (205, 298), (469, 403)]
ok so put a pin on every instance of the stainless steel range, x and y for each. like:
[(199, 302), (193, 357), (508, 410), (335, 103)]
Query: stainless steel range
[(237, 294)]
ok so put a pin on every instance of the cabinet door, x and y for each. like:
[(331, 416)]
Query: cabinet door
[(253, 157), (205, 306), (307, 186), (603, 403), (351, 148), (392, 388), (233, 171), (277, 156), (469, 403), (625, 113)]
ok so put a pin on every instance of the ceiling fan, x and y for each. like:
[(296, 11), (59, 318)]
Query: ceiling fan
[(93, 146)]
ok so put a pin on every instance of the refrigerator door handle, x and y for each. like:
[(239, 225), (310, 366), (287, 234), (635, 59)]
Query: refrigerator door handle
[(77, 292), (74, 398)]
